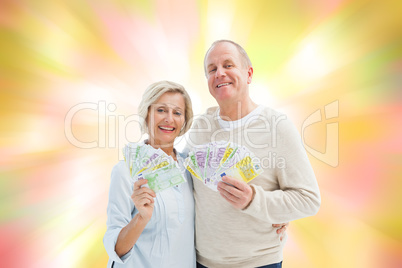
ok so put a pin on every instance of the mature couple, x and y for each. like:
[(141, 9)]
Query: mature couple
[(241, 225)]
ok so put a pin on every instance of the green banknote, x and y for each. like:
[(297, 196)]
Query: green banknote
[(163, 178)]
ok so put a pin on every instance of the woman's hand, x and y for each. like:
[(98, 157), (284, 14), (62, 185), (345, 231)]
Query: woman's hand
[(143, 199), (281, 229)]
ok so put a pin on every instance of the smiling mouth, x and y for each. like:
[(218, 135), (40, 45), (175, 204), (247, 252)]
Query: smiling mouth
[(167, 128), (224, 84)]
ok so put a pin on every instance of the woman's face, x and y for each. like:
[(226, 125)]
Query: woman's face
[(166, 118)]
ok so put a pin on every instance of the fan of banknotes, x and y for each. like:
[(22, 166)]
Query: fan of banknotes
[(146, 162), (210, 162)]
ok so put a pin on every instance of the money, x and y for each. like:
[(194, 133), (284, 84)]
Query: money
[(131, 152), (146, 162), (163, 178), (244, 170), (200, 157), (210, 162), (192, 166)]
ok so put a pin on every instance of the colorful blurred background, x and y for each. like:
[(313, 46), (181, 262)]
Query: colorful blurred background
[(72, 74)]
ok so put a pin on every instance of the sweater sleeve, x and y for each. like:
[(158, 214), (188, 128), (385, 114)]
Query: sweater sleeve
[(119, 209), (298, 195)]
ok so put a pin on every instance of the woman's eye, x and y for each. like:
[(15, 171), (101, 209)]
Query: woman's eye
[(177, 113), (160, 110)]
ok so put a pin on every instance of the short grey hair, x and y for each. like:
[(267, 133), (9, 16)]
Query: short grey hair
[(243, 54), (154, 92)]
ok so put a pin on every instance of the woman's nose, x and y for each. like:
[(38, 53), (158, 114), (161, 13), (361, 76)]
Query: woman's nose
[(169, 117)]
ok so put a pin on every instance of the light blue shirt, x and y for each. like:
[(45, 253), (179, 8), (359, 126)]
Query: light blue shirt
[(168, 238)]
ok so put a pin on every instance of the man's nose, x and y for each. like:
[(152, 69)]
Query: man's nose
[(220, 72)]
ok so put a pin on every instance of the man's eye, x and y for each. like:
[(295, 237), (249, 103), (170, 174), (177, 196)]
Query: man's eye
[(212, 70), (229, 65)]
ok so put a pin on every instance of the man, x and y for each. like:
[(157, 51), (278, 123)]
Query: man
[(235, 227)]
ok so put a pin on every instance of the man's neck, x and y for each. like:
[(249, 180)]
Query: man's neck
[(235, 111)]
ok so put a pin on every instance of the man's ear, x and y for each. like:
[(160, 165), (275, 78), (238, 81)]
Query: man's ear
[(250, 72)]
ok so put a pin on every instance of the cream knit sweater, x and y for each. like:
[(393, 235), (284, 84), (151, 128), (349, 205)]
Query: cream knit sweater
[(287, 190)]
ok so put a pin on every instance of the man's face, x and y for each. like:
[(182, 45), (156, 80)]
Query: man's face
[(227, 76)]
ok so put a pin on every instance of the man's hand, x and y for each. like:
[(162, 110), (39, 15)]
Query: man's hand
[(281, 229), (239, 194)]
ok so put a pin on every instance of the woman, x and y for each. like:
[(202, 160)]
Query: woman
[(145, 229)]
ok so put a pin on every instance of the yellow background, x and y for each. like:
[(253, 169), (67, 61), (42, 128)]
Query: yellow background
[(72, 74)]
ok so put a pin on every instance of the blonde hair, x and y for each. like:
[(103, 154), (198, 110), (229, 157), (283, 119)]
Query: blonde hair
[(154, 92), (243, 54)]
